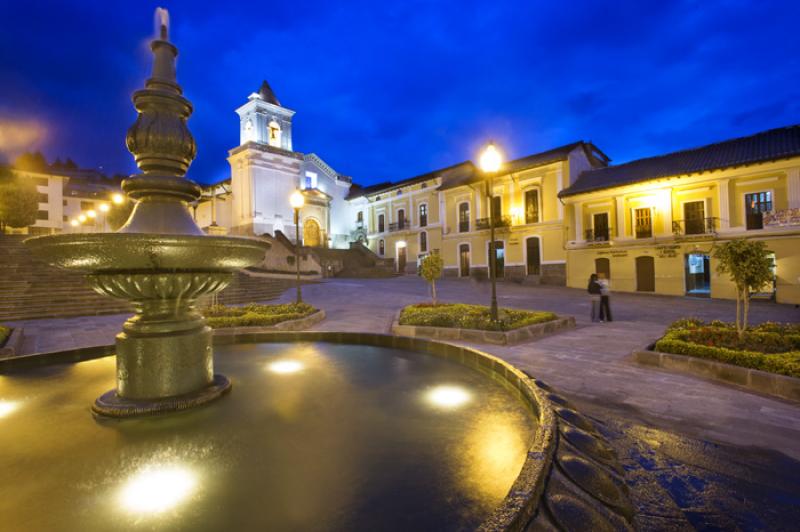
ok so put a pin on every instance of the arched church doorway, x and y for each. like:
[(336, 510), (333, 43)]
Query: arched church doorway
[(311, 233)]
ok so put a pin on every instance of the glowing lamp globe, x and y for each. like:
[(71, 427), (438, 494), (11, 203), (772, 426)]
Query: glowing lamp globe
[(117, 199), (296, 200), (491, 159), (103, 207)]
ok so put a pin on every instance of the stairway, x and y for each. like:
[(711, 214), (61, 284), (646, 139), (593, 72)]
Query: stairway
[(32, 289), (357, 262)]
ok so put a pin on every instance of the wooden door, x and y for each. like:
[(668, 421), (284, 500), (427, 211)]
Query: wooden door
[(463, 252), (645, 274), (534, 260)]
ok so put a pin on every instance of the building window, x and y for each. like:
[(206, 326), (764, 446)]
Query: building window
[(381, 224), (423, 242), (531, 206), (310, 180), (497, 209), (87, 205), (381, 247), (65, 218), (64, 202), (43, 198), (401, 219), (643, 222), (463, 218), (423, 215), (756, 205), (249, 134), (694, 217), (360, 217), (41, 181), (42, 215)]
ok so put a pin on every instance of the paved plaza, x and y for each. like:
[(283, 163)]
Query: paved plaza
[(683, 440)]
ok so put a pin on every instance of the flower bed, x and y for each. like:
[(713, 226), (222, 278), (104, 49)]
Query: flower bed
[(463, 316), (771, 347), (5, 332), (252, 315)]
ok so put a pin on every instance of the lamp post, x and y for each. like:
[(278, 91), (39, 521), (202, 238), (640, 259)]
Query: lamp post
[(490, 161), (297, 201)]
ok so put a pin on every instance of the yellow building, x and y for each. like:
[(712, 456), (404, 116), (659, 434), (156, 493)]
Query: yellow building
[(650, 225), (446, 211)]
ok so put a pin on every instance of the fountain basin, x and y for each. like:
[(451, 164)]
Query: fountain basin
[(322, 431), (142, 252)]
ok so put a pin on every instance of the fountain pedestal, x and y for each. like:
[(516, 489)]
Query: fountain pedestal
[(159, 260)]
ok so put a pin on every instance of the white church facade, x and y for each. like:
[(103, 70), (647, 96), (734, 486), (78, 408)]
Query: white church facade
[(265, 170)]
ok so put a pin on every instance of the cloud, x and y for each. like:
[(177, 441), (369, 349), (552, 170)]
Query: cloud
[(17, 136)]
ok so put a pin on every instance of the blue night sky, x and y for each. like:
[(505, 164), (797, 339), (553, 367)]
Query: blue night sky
[(389, 90)]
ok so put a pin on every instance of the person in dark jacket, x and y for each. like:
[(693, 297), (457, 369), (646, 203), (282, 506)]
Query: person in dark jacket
[(594, 290)]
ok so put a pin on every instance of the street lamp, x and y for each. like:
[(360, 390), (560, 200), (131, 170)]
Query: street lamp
[(296, 200), (117, 199), (490, 161)]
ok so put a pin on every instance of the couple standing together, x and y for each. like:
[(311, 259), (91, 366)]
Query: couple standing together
[(599, 292)]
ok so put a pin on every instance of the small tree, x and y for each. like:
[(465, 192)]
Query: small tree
[(430, 270), (19, 203), (749, 266)]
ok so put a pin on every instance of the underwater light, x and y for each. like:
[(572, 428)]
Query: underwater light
[(285, 366), (448, 396), (157, 488)]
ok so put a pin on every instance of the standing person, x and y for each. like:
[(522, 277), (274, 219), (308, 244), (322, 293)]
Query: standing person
[(605, 292), (595, 290)]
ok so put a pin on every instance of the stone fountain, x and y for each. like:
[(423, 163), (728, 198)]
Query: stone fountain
[(160, 260)]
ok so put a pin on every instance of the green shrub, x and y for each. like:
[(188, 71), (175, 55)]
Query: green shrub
[(462, 316), (773, 347), (220, 316), (5, 332)]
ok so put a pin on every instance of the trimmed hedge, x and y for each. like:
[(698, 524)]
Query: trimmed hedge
[(463, 316), (5, 332), (252, 315), (772, 347)]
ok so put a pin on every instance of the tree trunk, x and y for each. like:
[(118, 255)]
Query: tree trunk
[(738, 308), (433, 291), (746, 311)]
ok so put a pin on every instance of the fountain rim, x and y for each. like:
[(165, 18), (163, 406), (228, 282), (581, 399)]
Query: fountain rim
[(525, 495), (148, 252)]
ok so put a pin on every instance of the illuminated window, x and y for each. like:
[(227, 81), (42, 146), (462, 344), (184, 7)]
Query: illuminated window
[(531, 206), (756, 205), (274, 134), (423, 215), (643, 222)]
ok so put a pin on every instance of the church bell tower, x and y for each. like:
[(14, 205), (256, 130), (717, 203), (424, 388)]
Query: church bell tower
[(264, 120)]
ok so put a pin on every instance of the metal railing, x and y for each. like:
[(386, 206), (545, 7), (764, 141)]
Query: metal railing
[(598, 234), (499, 221), (398, 226), (643, 230), (696, 226)]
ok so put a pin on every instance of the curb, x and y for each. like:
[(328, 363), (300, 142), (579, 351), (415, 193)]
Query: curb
[(772, 384), (516, 336), (13, 343)]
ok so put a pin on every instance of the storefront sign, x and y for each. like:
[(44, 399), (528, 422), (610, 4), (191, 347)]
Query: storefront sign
[(614, 252), (667, 252)]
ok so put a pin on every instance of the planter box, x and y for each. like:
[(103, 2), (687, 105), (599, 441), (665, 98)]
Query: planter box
[(228, 334), (13, 343), (516, 336), (751, 379)]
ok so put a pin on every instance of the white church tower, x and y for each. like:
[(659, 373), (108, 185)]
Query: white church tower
[(264, 169)]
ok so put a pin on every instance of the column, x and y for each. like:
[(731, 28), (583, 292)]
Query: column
[(665, 198), (214, 206), (724, 205), (620, 217), (578, 206)]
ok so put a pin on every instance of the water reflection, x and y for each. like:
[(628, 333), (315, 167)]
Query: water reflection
[(285, 366)]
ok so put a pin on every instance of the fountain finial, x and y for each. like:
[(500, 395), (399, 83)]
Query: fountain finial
[(162, 23)]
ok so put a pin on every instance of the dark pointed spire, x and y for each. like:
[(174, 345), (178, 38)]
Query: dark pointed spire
[(266, 94)]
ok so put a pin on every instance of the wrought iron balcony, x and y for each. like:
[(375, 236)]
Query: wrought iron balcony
[(598, 234), (499, 222), (696, 226), (398, 226)]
